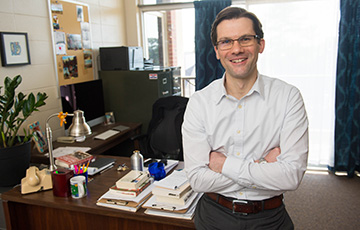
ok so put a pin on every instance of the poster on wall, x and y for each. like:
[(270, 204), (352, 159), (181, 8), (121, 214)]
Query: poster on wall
[(56, 8), (56, 25), (85, 35), (79, 13), (70, 68), (59, 40), (88, 59), (73, 41)]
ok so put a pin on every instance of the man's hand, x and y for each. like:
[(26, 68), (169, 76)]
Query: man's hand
[(216, 161), (272, 155)]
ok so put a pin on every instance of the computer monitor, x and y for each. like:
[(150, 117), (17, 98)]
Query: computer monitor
[(86, 96)]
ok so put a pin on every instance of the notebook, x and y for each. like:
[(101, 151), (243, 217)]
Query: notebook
[(100, 164)]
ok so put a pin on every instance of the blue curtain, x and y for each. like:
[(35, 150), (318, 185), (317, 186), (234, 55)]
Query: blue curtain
[(208, 68), (347, 122)]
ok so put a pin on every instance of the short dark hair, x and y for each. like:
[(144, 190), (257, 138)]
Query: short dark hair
[(235, 13)]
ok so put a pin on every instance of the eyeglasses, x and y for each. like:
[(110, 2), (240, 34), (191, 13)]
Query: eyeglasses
[(246, 40)]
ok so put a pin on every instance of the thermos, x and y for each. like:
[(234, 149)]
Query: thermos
[(137, 161)]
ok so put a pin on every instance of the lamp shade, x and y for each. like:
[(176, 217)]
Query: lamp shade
[(79, 127)]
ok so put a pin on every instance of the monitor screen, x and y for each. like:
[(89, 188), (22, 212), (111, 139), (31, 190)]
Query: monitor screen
[(86, 96)]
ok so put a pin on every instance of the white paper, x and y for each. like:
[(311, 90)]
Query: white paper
[(137, 199), (172, 181), (170, 165), (61, 151)]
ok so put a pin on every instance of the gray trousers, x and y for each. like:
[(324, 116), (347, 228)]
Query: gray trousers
[(211, 215)]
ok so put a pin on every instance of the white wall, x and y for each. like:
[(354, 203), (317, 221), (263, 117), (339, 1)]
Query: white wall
[(32, 16)]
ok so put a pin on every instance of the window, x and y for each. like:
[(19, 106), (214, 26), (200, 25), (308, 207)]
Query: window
[(154, 45), (301, 48), (169, 41)]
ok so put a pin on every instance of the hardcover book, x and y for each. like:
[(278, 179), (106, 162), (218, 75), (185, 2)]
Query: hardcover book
[(129, 192), (133, 180), (174, 193), (176, 201), (122, 204), (76, 158)]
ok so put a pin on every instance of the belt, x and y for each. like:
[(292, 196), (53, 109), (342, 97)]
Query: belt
[(246, 206)]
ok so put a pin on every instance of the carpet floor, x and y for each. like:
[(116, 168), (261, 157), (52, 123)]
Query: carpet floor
[(325, 202)]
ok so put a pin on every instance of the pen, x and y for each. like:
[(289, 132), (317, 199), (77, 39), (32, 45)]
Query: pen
[(87, 166), (135, 180)]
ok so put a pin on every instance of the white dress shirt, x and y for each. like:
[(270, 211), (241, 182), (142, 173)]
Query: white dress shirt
[(271, 115)]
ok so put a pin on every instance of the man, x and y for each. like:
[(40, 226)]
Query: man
[(245, 136)]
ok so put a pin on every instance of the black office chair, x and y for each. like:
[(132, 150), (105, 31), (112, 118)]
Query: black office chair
[(164, 139)]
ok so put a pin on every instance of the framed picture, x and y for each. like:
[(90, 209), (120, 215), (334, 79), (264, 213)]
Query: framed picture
[(38, 136), (14, 48)]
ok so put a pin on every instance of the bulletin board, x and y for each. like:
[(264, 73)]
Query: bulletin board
[(72, 41)]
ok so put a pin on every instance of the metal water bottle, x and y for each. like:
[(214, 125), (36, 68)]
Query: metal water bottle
[(137, 161)]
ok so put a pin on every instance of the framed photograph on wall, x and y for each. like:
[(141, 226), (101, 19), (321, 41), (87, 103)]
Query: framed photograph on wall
[(14, 48)]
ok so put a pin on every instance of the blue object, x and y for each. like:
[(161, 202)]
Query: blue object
[(157, 170)]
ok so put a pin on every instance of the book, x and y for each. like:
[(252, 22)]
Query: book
[(131, 204), (100, 164), (129, 192), (76, 158), (174, 193), (132, 180), (176, 201)]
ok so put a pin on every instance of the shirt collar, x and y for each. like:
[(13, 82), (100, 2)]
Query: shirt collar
[(221, 93), (257, 87)]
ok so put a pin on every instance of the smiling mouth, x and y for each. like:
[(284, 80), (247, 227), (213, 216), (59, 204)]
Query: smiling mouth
[(238, 60)]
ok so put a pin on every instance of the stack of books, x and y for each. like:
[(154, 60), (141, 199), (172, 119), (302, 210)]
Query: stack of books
[(177, 196), (129, 192), (172, 197)]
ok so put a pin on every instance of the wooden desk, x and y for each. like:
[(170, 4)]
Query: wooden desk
[(97, 146), (42, 210)]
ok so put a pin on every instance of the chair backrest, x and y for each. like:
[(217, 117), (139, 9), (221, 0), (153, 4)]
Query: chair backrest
[(164, 133)]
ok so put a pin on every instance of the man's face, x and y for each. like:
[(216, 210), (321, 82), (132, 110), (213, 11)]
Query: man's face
[(239, 62)]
